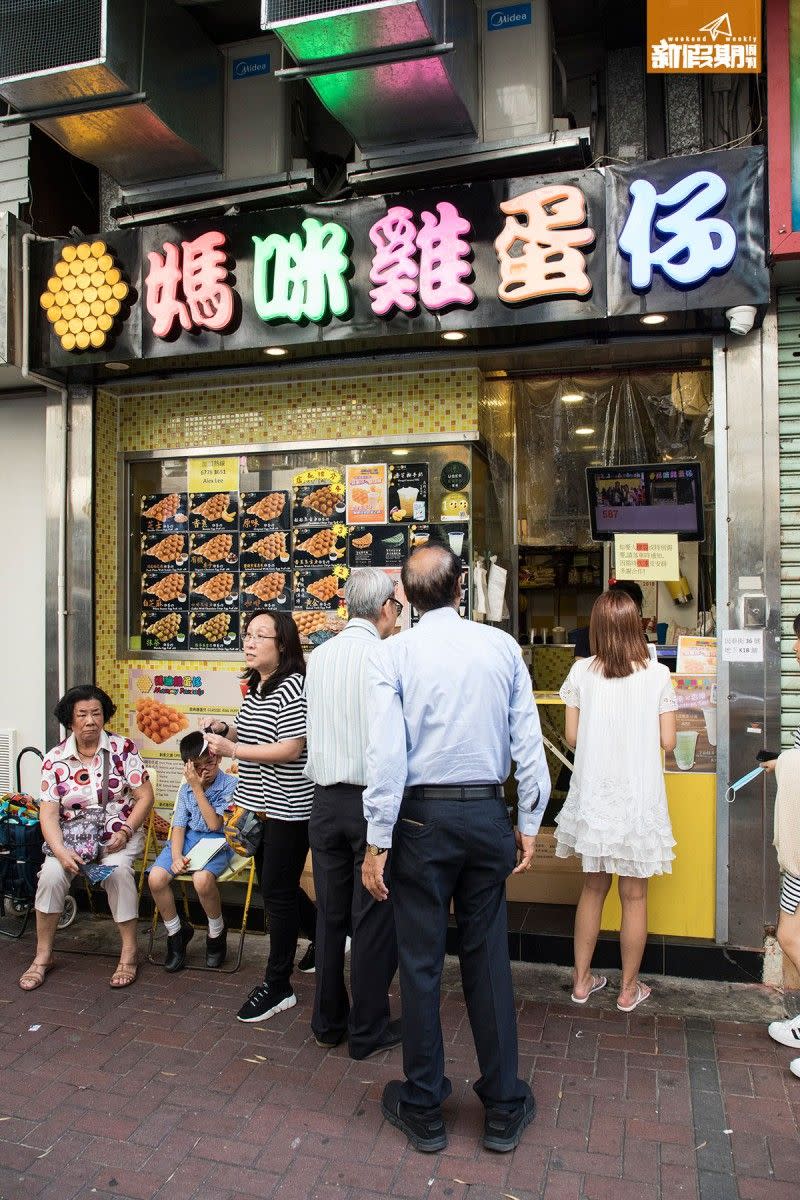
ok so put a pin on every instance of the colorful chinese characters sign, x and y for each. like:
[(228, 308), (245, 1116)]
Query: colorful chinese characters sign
[(510, 254)]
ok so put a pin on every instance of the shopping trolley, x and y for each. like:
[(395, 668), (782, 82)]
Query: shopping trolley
[(21, 855)]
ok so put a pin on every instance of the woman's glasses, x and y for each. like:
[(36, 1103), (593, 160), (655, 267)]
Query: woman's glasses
[(260, 637)]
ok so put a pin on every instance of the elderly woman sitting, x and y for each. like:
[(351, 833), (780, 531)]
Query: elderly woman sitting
[(95, 796)]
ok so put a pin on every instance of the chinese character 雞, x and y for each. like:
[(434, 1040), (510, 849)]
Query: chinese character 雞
[(550, 262), (195, 291), (438, 276), (295, 278), (693, 244)]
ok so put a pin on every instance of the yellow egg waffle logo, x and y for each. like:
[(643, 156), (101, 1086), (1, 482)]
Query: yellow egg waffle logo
[(84, 296)]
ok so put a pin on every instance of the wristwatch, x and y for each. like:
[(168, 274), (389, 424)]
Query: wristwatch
[(377, 850)]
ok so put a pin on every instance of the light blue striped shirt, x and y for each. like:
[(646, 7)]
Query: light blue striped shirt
[(337, 694), (451, 703)]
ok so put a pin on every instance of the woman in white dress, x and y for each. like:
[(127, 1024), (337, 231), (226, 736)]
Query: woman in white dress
[(619, 714)]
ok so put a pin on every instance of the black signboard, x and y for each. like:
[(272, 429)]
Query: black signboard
[(377, 545), (408, 491)]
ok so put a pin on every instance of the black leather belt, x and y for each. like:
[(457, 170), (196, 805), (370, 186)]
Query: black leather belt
[(465, 791)]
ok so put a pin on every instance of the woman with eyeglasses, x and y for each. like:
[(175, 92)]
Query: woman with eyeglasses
[(269, 743)]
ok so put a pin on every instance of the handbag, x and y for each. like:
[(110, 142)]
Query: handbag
[(243, 831), (84, 833)]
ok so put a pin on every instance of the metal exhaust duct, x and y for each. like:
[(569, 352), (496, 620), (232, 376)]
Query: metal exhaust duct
[(132, 86), (392, 72)]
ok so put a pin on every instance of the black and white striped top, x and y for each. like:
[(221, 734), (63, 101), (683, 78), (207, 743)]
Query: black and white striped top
[(280, 790)]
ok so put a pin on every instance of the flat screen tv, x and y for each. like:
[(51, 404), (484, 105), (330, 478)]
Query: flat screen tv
[(646, 498)]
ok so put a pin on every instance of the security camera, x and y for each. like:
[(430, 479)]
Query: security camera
[(740, 318)]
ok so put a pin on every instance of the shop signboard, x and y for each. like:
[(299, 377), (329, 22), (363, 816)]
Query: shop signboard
[(680, 233)]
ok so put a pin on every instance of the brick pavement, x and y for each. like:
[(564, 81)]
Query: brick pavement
[(156, 1091)]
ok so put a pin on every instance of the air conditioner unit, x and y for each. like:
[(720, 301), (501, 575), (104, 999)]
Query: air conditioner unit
[(517, 57), (256, 111), (134, 88)]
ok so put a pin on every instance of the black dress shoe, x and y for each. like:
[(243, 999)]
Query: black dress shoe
[(331, 1041), (502, 1133), (217, 949), (423, 1127), (176, 948), (392, 1036)]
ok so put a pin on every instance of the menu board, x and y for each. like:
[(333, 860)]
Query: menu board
[(213, 554)]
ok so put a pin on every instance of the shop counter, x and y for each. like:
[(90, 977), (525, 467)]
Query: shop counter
[(679, 905)]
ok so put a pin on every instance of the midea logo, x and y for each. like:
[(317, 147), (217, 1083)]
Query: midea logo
[(244, 67), (506, 18)]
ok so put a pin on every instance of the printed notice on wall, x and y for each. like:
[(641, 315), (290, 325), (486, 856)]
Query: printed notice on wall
[(743, 645), (366, 493), (697, 656), (213, 475), (646, 556)]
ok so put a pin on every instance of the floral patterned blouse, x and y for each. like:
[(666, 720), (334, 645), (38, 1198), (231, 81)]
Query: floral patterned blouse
[(76, 786)]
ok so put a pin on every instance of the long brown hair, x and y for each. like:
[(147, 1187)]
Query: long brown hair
[(616, 636)]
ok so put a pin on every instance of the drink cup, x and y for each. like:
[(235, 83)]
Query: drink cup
[(407, 496), (456, 541), (710, 718), (685, 747)]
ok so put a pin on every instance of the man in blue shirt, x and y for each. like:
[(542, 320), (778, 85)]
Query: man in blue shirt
[(451, 704), (202, 800)]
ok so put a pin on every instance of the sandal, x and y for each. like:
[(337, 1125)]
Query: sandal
[(33, 978), (642, 994), (124, 975), (598, 982)]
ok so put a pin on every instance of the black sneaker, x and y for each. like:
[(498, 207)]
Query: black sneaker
[(176, 948), (307, 963), (502, 1133), (265, 1000), (216, 949), (423, 1127)]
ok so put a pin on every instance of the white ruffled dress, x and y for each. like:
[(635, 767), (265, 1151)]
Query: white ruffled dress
[(615, 816)]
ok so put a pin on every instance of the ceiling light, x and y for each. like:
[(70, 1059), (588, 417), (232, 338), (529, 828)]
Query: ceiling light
[(653, 319), (584, 431), (572, 398), (276, 351), (399, 453), (116, 366), (454, 335)]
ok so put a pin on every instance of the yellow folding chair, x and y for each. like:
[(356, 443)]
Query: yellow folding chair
[(240, 870)]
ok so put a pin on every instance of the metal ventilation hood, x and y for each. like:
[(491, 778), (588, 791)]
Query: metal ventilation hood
[(132, 86), (390, 71)]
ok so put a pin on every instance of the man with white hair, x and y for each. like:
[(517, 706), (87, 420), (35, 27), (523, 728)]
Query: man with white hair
[(337, 731)]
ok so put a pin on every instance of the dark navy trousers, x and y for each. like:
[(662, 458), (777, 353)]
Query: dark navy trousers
[(459, 850)]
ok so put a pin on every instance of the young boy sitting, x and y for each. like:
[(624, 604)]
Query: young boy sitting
[(202, 799)]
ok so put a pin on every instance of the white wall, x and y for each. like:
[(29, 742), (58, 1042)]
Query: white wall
[(22, 573)]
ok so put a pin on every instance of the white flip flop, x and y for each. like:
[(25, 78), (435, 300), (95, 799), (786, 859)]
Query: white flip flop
[(598, 983)]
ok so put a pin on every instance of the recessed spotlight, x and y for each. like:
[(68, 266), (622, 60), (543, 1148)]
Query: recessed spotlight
[(572, 398), (653, 319), (584, 431), (116, 366), (453, 335), (276, 351), (400, 453)]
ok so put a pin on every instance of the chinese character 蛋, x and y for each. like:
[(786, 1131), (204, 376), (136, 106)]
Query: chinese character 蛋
[(693, 244), (549, 261), (302, 276), (194, 291)]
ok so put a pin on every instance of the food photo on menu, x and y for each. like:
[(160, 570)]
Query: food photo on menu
[(159, 722), (319, 496), (377, 545), (214, 589), (315, 628), (170, 591), (316, 588), (213, 510), (408, 492), (265, 510), (209, 630), (214, 551), (164, 552), (266, 589), (315, 544), (261, 548), (164, 510), (164, 630)]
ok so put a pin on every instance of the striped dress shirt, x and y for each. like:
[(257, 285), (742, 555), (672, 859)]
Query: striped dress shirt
[(337, 695)]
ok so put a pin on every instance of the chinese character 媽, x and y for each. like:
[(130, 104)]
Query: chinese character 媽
[(195, 292), (550, 262)]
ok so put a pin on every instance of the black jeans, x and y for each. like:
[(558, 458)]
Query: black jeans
[(461, 850), (289, 911), (338, 835)]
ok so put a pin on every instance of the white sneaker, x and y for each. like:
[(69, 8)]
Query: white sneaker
[(794, 1066), (786, 1032)]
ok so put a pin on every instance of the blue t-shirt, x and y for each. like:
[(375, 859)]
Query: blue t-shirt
[(219, 795)]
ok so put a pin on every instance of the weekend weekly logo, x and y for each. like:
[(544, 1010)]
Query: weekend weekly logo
[(703, 37)]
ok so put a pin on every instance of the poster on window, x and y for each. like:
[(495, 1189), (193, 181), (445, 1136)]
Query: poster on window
[(696, 746)]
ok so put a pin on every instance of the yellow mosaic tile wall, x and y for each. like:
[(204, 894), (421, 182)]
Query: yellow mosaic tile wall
[(177, 417)]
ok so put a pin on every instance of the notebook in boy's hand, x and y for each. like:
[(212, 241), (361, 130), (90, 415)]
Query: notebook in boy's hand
[(203, 852)]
